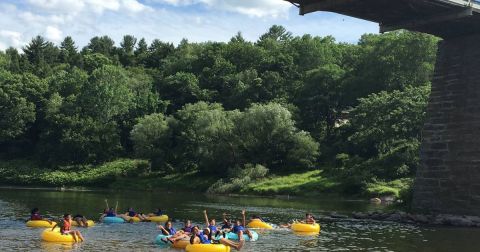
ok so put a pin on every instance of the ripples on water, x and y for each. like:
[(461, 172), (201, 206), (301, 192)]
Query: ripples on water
[(336, 235)]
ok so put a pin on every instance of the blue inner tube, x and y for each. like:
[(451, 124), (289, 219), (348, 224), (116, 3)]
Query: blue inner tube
[(161, 243), (113, 220), (233, 236)]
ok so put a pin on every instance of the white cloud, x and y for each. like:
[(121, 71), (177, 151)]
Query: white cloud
[(97, 6), (201, 20), (135, 6), (253, 8), (53, 33), (10, 38)]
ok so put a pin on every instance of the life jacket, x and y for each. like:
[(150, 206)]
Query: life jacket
[(203, 239), (238, 228), (36, 216), (187, 229), (110, 213), (171, 231), (226, 226), (132, 213), (65, 225), (212, 228)]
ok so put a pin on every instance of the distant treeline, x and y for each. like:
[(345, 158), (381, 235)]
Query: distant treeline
[(281, 103)]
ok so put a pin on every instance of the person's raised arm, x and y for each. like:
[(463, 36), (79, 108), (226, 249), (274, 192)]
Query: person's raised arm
[(244, 219), (206, 218), (163, 230)]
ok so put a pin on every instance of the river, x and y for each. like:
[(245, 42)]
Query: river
[(336, 235)]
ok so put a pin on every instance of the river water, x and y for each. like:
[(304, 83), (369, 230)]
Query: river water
[(336, 235)]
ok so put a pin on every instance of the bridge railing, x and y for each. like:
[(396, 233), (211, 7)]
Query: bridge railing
[(473, 3)]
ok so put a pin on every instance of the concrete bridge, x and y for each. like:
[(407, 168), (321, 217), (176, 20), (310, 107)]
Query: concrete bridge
[(449, 178)]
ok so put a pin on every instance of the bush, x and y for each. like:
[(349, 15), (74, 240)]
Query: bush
[(21, 172), (239, 178), (397, 188)]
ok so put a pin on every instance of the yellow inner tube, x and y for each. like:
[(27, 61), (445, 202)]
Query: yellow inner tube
[(161, 218), (90, 223), (259, 224), (302, 227), (55, 236), (181, 244), (207, 248), (40, 224)]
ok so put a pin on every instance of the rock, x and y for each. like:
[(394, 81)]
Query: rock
[(394, 217), (335, 215), (375, 200), (420, 218), (358, 215), (458, 221)]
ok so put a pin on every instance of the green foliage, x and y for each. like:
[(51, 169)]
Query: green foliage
[(392, 61), (106, 94), (150, 136), (27, 172), (307, 183), (384, 144), (16, 109), (239, 178), (269, 137), (289, 103), (398, 188)]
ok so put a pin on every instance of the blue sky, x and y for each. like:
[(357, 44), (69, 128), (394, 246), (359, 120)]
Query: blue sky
[(167, 20)]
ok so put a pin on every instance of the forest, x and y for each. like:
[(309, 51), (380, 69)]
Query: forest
[(237, 116)]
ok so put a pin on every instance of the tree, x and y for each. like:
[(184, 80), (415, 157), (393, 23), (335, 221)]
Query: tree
[(386, 131), (95, 60), (205, 139), (127, 47), (41, 54), (391, 61), (103, 45), (106, 95), (180, 89), (16, 110), (69, 53), (13, 60), (151, 137), (141, 52), (268, 136), (275, 33), (158, 51), (320, 99)]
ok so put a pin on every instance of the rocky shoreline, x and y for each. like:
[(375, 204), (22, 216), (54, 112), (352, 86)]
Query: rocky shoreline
[(423, 219)]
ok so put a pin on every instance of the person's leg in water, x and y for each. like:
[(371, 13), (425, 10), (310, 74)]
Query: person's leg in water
[(72, 233), (79, 235), (178, 236), (248, 233), (240, 235), (232, 244)]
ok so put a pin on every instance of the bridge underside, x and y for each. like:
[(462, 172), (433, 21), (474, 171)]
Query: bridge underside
[(448, 180), (443, 18)]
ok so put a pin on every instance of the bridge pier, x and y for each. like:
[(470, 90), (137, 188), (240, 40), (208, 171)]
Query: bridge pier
[(448, 180)]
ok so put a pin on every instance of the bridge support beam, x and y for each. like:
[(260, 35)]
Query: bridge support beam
[(449, 178)]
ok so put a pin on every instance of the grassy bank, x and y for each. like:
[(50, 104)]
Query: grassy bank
[(293, 184), (134, 174), (25, 172)]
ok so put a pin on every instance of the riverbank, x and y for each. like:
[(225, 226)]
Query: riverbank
[(135, 174)]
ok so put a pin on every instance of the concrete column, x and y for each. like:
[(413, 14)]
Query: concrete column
[(448, 180)]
